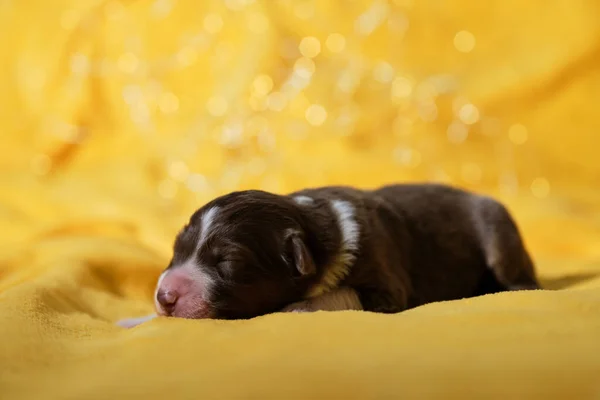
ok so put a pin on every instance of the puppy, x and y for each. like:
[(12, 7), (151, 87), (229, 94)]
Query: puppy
[(251, 253)]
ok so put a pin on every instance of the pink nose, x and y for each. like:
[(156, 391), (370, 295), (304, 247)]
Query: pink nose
[(167, 300)]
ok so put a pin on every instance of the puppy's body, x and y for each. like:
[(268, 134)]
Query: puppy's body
[(424, 243), (334, 248)]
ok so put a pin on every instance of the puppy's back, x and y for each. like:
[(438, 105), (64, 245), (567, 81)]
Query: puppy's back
[(455, 234)]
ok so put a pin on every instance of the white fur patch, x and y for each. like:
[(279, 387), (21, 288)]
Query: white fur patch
[(304, 200), (348, 225), (208, 218), (335, 300), (192, 270), (350, 232), (189, 266)]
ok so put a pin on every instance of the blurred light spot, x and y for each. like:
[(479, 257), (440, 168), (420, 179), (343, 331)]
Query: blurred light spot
[(80, 64), (457, 103), (167, 189), (398, 23), (213, 23), (401, 88), (178, 170), (457, 132), (258, 22), (132, 94), (383, 72), (128, 63), (187, 56), (540, 187), (441, 176), (304, 67), (140, 113), (310, 47), (217, 106), (346, 120), (262, 85), (471, 173), (335, 42), (266, 141), (469, 114), (162, 8), (231, 135), (68, 132), (40, 164), (197, 183), (168, 103), (276, 101), (517, 134), (407, 156), (316, 115), (230, 179), (426, 92), (348, 81), (443, 83), (464, 41), (508, 183), (368, 21)]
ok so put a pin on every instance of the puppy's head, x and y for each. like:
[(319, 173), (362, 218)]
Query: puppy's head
[(240, 256)]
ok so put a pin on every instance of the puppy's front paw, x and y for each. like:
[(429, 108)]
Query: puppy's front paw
[(132, 322)]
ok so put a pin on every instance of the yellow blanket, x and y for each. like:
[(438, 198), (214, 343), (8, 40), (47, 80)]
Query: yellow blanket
[(119, 118)]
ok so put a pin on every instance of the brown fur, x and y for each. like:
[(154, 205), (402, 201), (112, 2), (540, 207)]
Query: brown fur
[(418, 244)]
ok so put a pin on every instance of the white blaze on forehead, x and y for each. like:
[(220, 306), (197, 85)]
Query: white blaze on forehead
[(208, 218), (303, 200), (350, 235), (190, 266)]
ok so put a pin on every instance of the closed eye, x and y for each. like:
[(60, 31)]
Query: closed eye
[(225, 268)]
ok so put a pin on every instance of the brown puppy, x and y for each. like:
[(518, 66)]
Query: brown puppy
[(251, 253)]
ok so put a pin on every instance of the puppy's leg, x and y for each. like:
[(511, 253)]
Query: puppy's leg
[(337, 300), (131, 322), (503, 247)]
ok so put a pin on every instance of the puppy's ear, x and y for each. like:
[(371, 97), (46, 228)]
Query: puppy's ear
[(297, 254)]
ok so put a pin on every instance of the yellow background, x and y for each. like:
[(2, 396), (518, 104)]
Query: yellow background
[(119, 118)]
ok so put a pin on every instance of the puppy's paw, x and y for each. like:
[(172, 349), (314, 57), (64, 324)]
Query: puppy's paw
[(132, 322)]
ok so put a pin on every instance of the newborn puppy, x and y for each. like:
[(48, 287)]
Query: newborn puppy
[(251, 253)]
